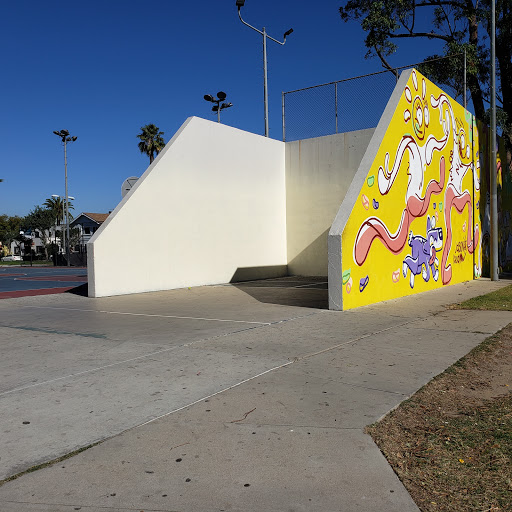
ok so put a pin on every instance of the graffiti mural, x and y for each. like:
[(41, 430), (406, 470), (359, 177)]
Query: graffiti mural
[(416, 224)]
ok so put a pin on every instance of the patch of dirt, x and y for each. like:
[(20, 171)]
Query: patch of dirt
[(451, 442)]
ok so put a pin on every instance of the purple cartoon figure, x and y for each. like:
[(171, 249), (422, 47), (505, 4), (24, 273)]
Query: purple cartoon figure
[(423, 257)]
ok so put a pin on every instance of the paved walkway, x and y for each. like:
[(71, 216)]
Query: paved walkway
[(208, 399)]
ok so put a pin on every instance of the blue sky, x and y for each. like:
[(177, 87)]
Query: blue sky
[(103, 69)]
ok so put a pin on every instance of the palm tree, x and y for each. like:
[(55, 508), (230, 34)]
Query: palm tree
[(57, 207), (151, 141)]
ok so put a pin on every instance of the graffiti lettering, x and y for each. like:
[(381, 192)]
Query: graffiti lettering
[(460, 252)]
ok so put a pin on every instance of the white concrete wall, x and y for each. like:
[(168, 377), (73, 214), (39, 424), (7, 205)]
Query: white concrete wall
[(212, 203), (318, 174)]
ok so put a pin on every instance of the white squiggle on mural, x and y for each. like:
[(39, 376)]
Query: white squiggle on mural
[(455, 197), (419, 156)]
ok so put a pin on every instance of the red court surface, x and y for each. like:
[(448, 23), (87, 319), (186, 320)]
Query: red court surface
[(21, 281)]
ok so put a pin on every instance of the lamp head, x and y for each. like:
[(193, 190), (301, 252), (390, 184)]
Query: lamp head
[(73, 139), (288, 32), (240, 3), (221, 95), (65, 133), (208, 97)]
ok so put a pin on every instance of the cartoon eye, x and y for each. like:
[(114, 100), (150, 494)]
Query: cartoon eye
[(425, 113), (419, 116)]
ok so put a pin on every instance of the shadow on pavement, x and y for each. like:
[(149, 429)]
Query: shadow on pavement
[(304, 292), (82, 290)]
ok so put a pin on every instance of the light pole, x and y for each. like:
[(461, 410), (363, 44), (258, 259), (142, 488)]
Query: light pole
[(494, 184), (22, 236), (240, 4), (65, 137), (221, 96), (63, 220)]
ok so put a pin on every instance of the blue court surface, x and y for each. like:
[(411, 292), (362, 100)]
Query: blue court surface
[(22, 280)]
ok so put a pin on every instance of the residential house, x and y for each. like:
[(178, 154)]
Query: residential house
[(87, 224)]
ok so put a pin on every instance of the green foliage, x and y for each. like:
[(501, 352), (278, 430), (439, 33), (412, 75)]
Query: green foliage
[(9, 229), (151, 141), (41, 219), (58, 208), (460, 25)]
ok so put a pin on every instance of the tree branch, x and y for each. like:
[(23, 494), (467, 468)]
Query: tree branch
[(453, 3), (430, 35), (384, 62)]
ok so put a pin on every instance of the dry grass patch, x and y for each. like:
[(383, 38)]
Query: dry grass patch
[(451, 443)]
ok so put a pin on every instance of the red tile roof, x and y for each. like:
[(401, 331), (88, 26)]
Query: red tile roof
[(98, 217)]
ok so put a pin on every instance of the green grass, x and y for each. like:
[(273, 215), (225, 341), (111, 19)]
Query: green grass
[(24, 263), (500, 300)]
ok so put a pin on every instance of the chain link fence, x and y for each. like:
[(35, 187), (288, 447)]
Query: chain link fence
[(342, 106)]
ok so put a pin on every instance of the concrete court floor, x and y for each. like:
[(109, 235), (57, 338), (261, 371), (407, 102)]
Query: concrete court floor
[(264, 404)]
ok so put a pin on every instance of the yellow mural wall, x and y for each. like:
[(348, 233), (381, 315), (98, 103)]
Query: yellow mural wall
[(415, 225)]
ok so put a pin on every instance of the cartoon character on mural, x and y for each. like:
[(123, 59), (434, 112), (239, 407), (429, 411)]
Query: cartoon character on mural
[(420, 157), (454, 197), (423, 257)]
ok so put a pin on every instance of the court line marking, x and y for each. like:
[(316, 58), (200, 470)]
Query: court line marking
[(210, 396), (288, 363), (3, 292), (312, 284), (143, 356), (151, 354), (152, 315)]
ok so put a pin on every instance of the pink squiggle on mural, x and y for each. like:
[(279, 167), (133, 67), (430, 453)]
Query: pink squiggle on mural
[(458, 201), (373, 228)]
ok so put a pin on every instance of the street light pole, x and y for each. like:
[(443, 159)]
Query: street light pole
[(493, 170), (240, 4), (65, 137), (65, 236), (221, 96)]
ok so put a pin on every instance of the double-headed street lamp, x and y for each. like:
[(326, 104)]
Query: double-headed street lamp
[(240, 4), (221, 96), (65, 137)]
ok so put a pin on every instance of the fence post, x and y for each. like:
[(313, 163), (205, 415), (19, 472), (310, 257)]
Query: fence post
[(336, 104), (465, 86), (283, 116)]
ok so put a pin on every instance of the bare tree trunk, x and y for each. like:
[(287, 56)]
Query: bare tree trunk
[(473, 83)]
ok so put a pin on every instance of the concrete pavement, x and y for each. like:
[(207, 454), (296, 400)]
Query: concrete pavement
[(208, 399)]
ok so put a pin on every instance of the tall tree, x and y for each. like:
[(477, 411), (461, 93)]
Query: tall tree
[(9, 229), (460, 25), (151, 141), (42, 220), (58, 208)]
